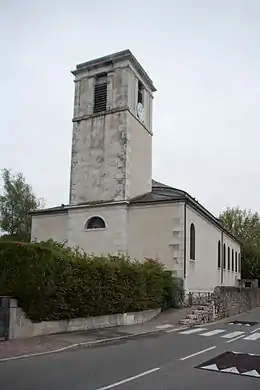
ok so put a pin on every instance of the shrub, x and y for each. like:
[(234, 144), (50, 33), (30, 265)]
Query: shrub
[(53, 282), (173, 291)]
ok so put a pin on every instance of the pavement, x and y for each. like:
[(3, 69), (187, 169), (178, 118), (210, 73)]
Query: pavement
[(223, 354), (34, 346)]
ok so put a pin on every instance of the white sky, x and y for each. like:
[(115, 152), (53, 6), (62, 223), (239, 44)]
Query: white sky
[(202, 55)]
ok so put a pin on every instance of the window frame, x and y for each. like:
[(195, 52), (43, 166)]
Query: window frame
[(228, 259), (90, 219), (219, 254), (224, 256), (192, 242), (100, 82), (140, 92)]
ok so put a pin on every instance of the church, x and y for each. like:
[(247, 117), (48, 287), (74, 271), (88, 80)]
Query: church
[(114, 204)]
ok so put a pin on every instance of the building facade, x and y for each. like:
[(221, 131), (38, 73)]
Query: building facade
[(115, 206)]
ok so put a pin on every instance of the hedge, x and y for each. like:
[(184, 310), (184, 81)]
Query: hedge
[(51, 282)]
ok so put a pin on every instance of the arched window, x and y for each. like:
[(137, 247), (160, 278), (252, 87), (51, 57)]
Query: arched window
[(219, 254), (235, 261), (228, 259), (95, 223), (224, 256), (239, 262), (232, 263), (192, 241)]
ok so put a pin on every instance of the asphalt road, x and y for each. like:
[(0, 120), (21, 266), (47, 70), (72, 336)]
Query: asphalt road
[(163, 361)]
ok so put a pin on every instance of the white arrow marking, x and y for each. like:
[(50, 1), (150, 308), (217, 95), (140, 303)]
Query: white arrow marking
[(251, 373), (212, 367), (233, 370)]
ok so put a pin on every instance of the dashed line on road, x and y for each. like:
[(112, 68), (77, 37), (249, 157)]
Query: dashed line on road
[(198, 353), (131, 378)]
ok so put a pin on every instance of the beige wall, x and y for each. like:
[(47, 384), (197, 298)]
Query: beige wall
[(139, 159), (203, 273), (156, 231), (49, 226), (112, 239), (111, 155)]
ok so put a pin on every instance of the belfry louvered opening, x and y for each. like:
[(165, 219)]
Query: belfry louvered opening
[(100, 94)]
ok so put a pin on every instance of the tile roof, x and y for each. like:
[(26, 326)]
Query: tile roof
[(160, 192)]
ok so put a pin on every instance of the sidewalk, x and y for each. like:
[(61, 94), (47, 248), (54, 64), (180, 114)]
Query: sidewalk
[(13, 349)]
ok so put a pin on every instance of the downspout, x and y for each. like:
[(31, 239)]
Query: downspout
[(184, 249), (222, 257)]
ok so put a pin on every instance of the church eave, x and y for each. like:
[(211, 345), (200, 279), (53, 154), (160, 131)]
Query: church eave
[(64, 209)]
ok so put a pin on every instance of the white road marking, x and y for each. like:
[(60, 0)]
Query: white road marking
[(236, 338), (174, 330), (129, 379), (165, 326), (213, 332), (255, 330), (212, 367), (232, 335), (252, 337), (233, 370), (251, 373), (198, 353), (194, 330)]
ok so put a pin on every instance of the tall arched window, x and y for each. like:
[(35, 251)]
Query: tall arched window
[(228, 259), (95, 223), (219, 254), (239, 262), (192, 241), (236, 261), (224, 256), (232, 263)]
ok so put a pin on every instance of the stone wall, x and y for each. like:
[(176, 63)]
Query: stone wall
[(234, 300), (21, 327)]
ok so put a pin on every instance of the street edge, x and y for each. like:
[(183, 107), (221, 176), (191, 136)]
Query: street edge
[(86, 344), (228, 318)]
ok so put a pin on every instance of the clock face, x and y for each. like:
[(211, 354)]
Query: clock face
[(140, 111)]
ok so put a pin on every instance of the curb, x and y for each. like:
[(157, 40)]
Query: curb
[(86, 344), (228, 318)]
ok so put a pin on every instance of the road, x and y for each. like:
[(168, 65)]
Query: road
[(164, 361)]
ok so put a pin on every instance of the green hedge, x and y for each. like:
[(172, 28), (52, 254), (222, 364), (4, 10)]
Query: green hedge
[(51, 282)]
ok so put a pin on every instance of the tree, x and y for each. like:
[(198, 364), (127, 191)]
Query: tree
[(16, 202), (245, 225)]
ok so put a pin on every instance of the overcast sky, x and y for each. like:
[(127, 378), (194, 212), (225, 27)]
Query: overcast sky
[(202, 55)]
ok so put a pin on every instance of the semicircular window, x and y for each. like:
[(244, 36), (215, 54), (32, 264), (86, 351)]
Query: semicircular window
[(95, 223)]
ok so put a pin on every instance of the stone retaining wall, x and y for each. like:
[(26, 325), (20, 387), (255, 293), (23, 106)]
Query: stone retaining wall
[(21, 327), (234, 300)]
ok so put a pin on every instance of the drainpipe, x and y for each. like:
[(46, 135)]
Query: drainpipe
[(184, 249), (222, 257)]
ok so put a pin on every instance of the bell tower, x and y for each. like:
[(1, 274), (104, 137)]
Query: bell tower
[(111, 157)]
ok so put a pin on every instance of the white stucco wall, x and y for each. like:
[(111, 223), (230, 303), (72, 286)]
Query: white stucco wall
[(203, 274), (156, 231), (112, 239), (47, 226)]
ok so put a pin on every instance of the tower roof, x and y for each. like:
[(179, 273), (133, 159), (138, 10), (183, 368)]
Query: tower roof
[(112, 58)]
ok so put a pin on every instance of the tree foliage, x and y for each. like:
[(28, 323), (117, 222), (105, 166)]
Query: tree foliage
[(245, 225), (17, 200)]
